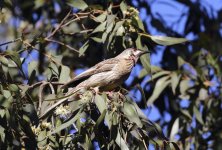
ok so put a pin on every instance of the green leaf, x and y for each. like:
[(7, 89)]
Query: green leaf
[(67, 124), (145, 59), (184, 86), (159, 74), (109, 27), (110, 19), (15, 57), (198, 115), (32, 66), (118, 25), (97, 39), (175, 129), (2, 133), (100, 28), (64, 75), (131, 114), (138, 23), (13, 87), (3, 60), (143, 73), (2, 111), (161, 84), (101, 18), (100, 103), (180, 61), (121, 142), (123, 8), (80, 4), (175, 78), (42, 138), (120, 31), (186, 113), (100, 119), (83, 48), (54, 68), (167, 40)]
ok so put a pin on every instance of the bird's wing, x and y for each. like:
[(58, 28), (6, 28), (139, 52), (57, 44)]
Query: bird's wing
[(103, 66)]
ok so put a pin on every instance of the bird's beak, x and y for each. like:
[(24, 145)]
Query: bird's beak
[(142, 52)]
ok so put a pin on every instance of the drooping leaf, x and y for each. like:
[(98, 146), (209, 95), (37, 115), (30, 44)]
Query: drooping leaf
[(64, 75), (161, 84), (174, 129), (198, 115), (123, 8), (121, 142), (101, 18), (131, 114), (15, 57), (32, 66), (80, 4), (100, 103), (186, 113), (100, 119), (100, 28), (167, 40), (145, 59), (83, 48), (175, 78), (159, 74), (180, 61), (184, 86), (67, 124)]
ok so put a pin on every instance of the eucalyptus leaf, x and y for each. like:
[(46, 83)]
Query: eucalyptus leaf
[(101, 18), (121, 142), (161, 84), (67, 124), (123, 8), (83, 48), (33, 65), (132, 115), (175, 78), (100, 28), (100, 119), (64, 75), (100, 103), (80, 4), (162, 40), (159, 74), (198, 115), (174, 129)]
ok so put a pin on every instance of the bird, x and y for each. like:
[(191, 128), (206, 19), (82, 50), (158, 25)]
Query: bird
[(104, 76), (110, 73)]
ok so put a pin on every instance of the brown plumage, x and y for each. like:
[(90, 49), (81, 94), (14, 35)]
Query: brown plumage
[(106, 75), (110, 73)]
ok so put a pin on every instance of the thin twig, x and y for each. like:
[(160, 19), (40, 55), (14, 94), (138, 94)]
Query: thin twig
[(52, 89), (81, 17), (81, 32), (63, 44), (9, 42), (59, 26), (42, 86)]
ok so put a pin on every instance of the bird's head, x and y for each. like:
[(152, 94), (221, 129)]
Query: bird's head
[(131, 53)]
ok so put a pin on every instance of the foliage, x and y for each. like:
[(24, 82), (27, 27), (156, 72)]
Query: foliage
[(54, 38)]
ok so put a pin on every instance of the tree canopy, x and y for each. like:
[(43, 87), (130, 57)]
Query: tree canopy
[(45, 43)]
